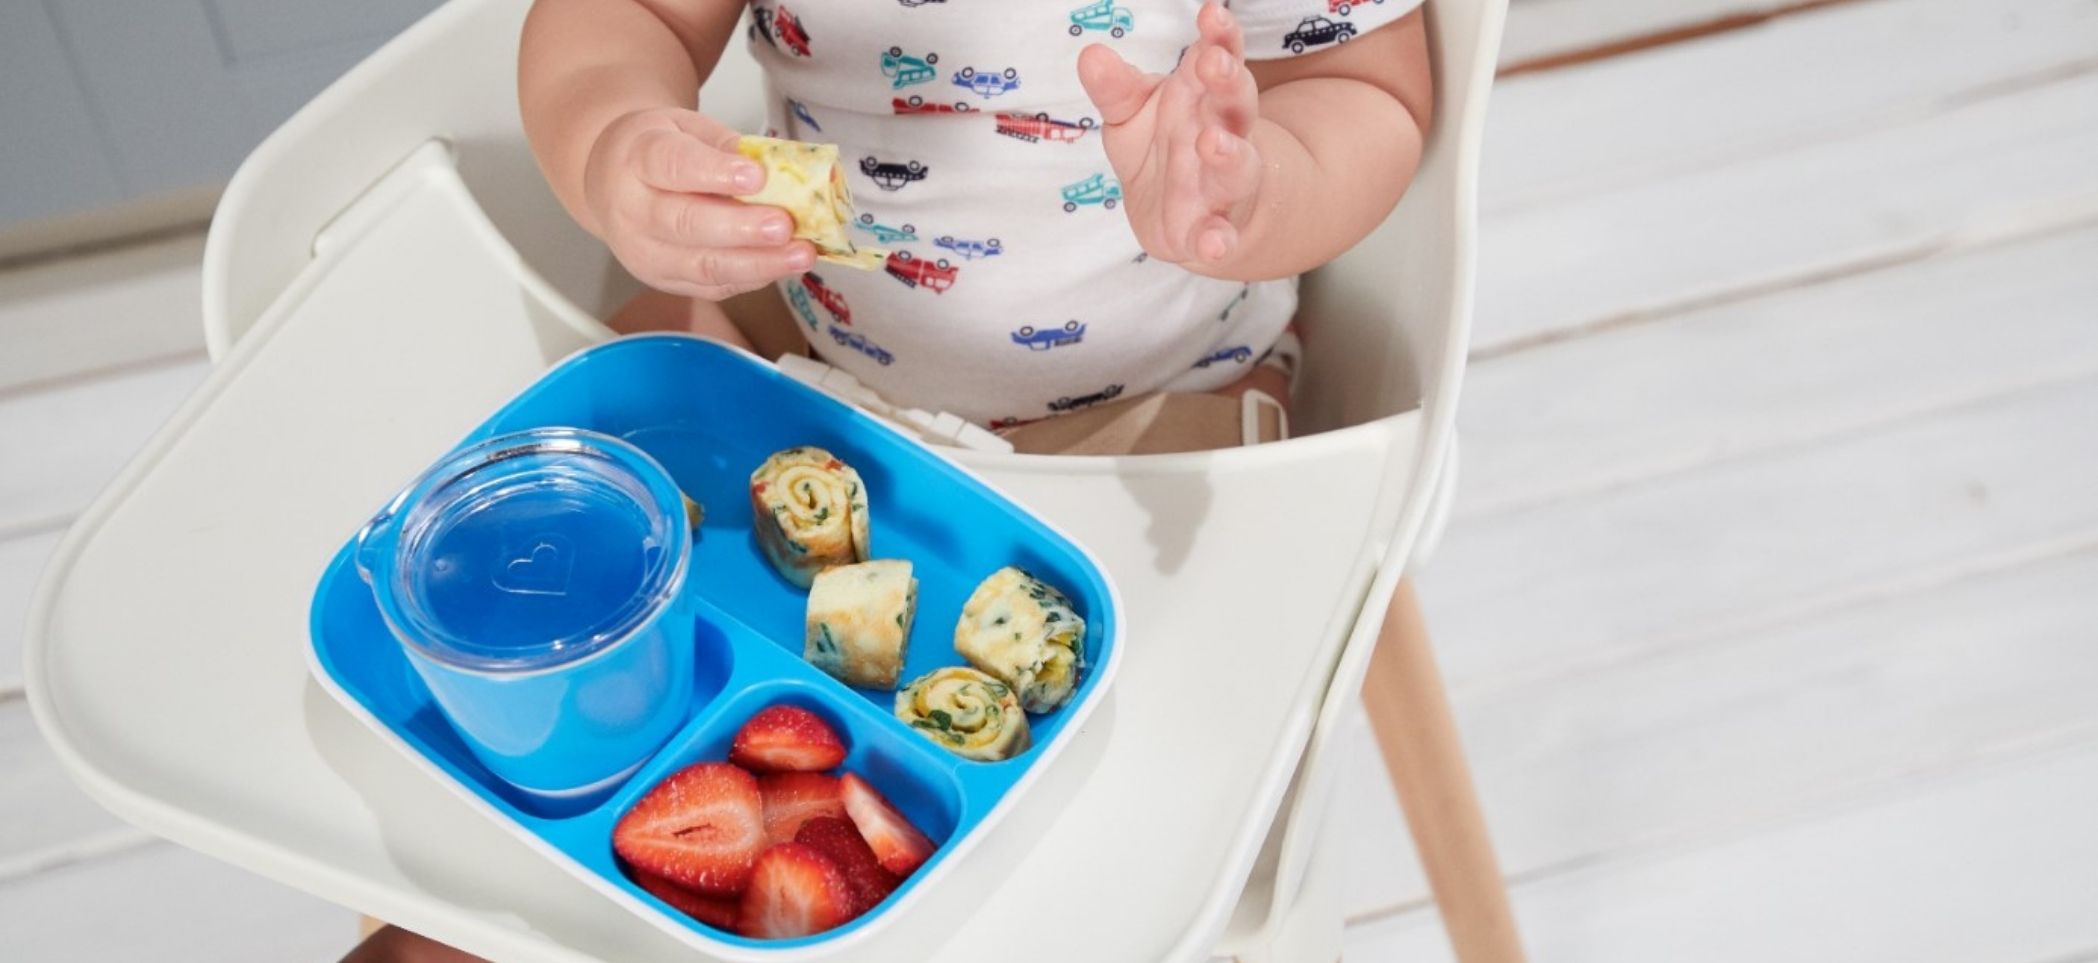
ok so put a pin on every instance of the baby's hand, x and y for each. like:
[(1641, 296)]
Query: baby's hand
[(658, 185), (1178, 142)]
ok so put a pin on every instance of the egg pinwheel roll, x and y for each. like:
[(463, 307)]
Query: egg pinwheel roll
[(809, 511), (1025, 632), (966, 712), (860, 622), (805, 181)]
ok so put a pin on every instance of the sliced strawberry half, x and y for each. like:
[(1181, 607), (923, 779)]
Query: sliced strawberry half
[(836, 838), (794, 891), (794, 798), (786, 738), (899, 846), (701, 828), (719, 912)]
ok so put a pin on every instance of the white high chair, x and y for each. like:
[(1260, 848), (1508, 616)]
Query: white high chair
[(389, 266)]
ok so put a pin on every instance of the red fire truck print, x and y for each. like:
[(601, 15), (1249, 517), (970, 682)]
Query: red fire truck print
[(935, 276), (1035, 128), (786, 28), (915, 104), (831, 300)]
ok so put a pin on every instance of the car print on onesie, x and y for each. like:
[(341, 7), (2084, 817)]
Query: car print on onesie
[(1043, 339), (1316, 31), (1034, 128), (1096, 189), (1109, 393), (970, 250), (889, 175), (935, 276), (799, 298), (1342, 8), (787, 28), (831, 300), (761, 24), (904, 71), (1243, 290), (800, 112), (920, 3), (859, 343), (1102, 16), (915, 104), (1239, 353), (987, 83), (883, 233)]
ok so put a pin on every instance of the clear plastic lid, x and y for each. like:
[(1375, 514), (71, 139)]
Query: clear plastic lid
[(528, 551)]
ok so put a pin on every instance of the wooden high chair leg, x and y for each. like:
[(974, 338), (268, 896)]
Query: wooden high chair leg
[(1417, 735)]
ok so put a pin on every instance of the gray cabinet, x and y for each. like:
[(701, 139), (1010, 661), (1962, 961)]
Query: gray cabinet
[(115, 100)]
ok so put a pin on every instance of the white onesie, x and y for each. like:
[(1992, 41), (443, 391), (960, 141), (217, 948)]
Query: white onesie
[(1015, 289)]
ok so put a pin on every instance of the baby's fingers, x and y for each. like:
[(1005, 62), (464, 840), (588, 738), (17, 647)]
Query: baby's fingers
[(1116, 87), (732, 270), (1232, 95), (675, 160), (693, 220), (1230, 168), (1219, 27)]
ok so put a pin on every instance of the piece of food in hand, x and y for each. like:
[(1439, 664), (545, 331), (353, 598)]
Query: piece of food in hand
[(837, 839), (809, 511), (966, 712), (793, 798), (859, 622), (786, 738), (897, 845), (1022, 630), (701, 829), (806, 181), (794, 891), (720, 912)]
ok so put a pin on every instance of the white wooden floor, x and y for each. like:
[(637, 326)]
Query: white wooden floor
[(1769, 605)]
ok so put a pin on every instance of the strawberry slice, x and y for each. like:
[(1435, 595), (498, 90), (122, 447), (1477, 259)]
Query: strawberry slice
[(793, 798), (719, 912), (794, 891), (786, 738), (836, 838), (701, 829), (899, 846)]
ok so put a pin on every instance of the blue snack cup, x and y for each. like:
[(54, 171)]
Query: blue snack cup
[(535, 582)]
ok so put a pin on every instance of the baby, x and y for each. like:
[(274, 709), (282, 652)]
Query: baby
[(1083, 204)]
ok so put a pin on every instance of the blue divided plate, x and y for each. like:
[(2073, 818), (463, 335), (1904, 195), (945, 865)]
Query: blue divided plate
[(710, 415)]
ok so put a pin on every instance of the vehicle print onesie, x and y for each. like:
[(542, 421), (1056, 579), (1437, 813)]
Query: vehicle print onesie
[(1015, 289)]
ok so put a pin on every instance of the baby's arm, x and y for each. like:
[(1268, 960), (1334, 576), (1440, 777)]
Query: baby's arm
[(1264, 169), (607, 88)]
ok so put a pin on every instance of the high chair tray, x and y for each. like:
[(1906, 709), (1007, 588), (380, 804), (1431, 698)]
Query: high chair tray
[(709, 414), (166, 646)]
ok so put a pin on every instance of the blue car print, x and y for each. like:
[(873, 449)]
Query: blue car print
[(801, 113), (883, 233), (904, 71), (1240, 354), (862, 345), (987, 83), (1043, 339), (969, 250)]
